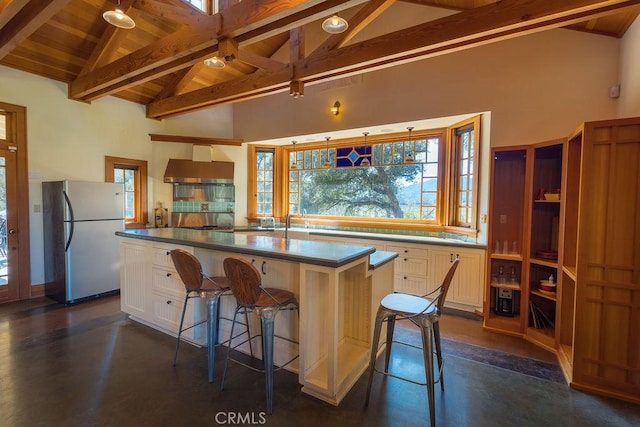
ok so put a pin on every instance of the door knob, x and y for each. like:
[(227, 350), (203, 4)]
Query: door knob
[(12, 231)]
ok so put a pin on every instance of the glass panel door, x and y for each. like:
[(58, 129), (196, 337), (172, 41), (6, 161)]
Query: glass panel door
[(8, 239)]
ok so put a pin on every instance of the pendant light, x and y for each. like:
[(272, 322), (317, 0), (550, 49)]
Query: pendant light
[(294, 163), (409, 157), (214, 62), (335, 25), (327, 163), (118, 18), (365, 162)]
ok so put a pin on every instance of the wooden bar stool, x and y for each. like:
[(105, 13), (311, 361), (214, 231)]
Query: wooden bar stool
[(424, 312), (245, 283), (197, 285)]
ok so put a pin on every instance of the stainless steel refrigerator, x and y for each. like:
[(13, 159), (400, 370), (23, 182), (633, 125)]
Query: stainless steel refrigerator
[(81, 251)]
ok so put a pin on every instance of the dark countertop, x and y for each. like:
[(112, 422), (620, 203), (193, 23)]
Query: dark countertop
[(399, 238), (380, 258), (304, 251)]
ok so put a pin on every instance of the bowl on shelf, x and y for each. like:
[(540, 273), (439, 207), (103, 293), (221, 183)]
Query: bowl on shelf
[(547, 286), (552, 196)]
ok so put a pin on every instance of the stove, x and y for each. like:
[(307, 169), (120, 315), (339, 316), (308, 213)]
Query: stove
[(212, 221)]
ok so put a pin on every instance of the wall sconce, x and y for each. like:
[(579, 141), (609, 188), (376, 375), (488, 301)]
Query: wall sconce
[(335, 110)]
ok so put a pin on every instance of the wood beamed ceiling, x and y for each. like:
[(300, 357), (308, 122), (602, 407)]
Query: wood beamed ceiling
[(271, 45)]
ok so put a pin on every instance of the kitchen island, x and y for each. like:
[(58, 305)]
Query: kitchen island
[(338, 286)]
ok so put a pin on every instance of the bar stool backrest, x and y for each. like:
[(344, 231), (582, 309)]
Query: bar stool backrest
[(446, 284), (245, 280), (189, 269)]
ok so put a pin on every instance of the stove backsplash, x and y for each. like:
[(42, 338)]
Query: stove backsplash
[(203, 197)]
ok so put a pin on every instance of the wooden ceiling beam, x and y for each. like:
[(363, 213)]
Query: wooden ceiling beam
[(196, 140), (255, 17), (250, 22), (9, 9), (179, 12), (257, 84), (360, 20), (108, 42), (259, 61), (474, 27), (26, 21)]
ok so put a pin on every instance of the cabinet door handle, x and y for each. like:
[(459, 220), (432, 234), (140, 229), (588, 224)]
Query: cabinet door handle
[(450, 257), (405, 259), (264, 267), (405, 277), (168, 302), (168, 253), (253, 261), (168, 274)]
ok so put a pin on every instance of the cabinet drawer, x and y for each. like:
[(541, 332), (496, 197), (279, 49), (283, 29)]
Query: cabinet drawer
[(408, 251), (161, 257), (410, 265), (166, 311), (415, 285), (167, 280)]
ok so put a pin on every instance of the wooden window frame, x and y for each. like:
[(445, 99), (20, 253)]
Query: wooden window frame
[(448, 182), (141, 209), (453, 162), (278, 183)]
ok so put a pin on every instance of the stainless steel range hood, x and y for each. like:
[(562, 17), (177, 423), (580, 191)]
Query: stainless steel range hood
[(189, 171)]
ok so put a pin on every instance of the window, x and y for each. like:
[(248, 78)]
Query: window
[(425, 180), (382, 180), (262, 161), (464, 147), (465, 172), (133, 174)]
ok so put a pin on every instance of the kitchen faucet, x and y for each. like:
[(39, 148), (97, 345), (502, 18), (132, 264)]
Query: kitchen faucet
[(306, 219), (287, 224)]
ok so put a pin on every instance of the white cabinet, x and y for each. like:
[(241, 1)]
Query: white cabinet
[(152, 292), (410, 269), (168, 293), (420, 268), (468, 283), (134, 277)]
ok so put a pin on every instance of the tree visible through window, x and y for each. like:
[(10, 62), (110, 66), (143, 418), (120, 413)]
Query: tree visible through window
[(384, 187), (425, 180)]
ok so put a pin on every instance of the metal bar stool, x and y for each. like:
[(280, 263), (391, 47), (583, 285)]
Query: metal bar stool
[(251, 297), (423, 312), (198, 285)]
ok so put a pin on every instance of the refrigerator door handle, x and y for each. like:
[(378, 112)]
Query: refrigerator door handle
[(68, 202)]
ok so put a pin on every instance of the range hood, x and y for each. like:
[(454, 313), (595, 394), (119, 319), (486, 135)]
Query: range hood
[(195, 172)]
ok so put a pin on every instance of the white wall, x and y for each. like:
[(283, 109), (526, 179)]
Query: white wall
[(68, 140), (629, 102), (537, 87)]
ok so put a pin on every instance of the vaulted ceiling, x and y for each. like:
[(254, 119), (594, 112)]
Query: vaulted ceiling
[(271, 45)]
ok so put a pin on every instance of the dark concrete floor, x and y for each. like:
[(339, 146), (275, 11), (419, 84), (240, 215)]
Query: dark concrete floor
[(88, 365)]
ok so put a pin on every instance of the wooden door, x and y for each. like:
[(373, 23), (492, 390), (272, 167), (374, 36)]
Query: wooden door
[(607, 342), (14, 229)]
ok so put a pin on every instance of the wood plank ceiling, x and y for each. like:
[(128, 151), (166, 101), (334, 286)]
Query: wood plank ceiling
[(273, 45)]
